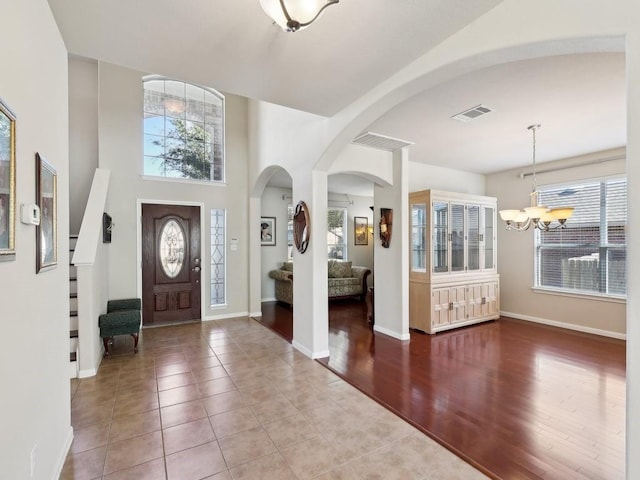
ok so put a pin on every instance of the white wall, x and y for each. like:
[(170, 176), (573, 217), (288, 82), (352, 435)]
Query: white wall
[(34, 308), (392, 263), (120, 100), (360, 255), (516, 252), (83, 136), (273, 205), (430, 177)]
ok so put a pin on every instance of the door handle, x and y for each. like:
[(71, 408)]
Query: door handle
[(195, 269)]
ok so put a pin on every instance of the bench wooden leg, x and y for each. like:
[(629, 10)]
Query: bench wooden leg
[(105, 341), (135, 342)]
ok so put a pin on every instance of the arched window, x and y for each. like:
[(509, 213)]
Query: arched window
[(183, 131)]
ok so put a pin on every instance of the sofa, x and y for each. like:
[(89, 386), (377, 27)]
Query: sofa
[(345, 280)]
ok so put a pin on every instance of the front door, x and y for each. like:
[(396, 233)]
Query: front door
[(171, 264)]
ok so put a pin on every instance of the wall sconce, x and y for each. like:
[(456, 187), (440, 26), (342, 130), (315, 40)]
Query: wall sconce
[(386, 222)]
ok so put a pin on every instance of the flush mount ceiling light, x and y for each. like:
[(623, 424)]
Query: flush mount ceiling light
[(294, 15), (540, 216)]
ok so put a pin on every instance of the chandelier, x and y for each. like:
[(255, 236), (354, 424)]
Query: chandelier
[(538, 216), (296, 14)]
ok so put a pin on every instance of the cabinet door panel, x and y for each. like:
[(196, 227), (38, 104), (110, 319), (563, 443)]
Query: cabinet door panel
[(440, 307), (419, 227), (457, 237), (491, 298), (473, 238), (488, 238), (440, 230), (458, 297), (475, 300)]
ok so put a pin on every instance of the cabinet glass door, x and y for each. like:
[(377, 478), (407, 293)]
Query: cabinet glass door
[(419, 237), (440, 225), (473, 237), (457, 237), (488, 237)]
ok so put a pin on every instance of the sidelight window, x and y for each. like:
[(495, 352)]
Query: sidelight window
[(218, 257)]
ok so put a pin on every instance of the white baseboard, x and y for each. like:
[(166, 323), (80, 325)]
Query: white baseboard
[(73, 368), (89, 372), (63, 454), (224, 316), (321, 354), (568, 326), (302, 349), (391, 333), (308, 353), (255, 314), (270, 299)]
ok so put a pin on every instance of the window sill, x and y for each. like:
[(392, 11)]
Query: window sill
[(219, 306), (586, 296), (189, 181)]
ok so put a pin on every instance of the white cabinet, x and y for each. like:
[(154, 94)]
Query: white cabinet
[(453, 279)]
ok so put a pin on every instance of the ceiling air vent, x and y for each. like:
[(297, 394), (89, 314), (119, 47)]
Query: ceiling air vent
[(381, 142), (472, 113)]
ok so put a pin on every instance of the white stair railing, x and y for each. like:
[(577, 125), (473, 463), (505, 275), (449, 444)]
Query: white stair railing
[(90, 260)]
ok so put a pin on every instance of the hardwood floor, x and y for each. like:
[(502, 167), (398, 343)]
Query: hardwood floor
[(515, 399)]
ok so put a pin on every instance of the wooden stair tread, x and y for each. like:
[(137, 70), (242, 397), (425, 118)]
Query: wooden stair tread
[(73, 279), (73, 313), (73, 333), (72, 357), (73, 295)]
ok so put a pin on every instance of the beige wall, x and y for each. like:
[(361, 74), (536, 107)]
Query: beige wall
[(34, 308), (120, 150), (516, 254), (271, 257), (83, 136)]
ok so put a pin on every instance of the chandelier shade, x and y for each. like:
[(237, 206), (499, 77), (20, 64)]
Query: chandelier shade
[(538, 216), (294, 15)]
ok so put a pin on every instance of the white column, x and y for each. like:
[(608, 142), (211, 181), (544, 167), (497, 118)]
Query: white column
[(633, 255), (391, 264), (255, 269), (310, 309)]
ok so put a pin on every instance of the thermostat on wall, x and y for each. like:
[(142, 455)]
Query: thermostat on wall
[(30, 214)]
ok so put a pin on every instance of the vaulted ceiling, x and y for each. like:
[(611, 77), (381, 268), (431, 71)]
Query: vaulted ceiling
[(231, 45)]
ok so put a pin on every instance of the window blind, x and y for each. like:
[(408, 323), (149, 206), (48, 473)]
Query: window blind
[(589, 255)]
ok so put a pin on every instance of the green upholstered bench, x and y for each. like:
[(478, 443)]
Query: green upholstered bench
[(122, 318)]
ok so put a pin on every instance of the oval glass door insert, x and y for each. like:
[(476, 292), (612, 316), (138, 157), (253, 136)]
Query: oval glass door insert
[(172, 248)]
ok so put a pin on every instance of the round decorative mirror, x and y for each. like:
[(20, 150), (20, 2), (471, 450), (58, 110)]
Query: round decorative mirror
[(301, 227)]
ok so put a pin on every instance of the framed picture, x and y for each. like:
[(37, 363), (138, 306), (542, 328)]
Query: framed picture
[(267, 230), (7, 183), (360, 231), (46, 232)]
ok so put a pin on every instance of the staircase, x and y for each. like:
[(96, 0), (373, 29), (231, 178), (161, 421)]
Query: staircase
[(73, 311)]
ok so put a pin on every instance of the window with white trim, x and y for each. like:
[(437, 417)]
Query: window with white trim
[(290, 232), (183, 131), (337, 233), (589, 256), (218, 257)]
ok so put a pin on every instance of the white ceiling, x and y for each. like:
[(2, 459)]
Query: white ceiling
[(578, 99), (232, 46)]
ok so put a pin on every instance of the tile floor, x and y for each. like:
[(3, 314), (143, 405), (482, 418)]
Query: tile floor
[(228, 400)]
